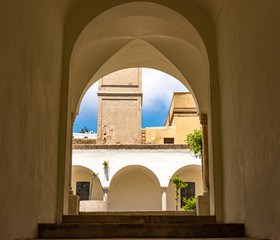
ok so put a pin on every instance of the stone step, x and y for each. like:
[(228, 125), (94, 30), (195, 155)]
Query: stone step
[(118, 230), (138, 219), (142, 213), (243, 238)]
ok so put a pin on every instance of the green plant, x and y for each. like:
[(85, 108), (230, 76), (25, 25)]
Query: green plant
[(105, 164), (190, 204), (178, 185), (194, 142)]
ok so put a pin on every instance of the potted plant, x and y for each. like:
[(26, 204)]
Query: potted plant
[(105, 164)]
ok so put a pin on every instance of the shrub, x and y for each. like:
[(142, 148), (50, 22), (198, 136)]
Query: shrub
[(194, 142), (190, 204)]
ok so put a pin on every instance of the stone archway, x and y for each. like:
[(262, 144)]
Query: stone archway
[(151, 35)]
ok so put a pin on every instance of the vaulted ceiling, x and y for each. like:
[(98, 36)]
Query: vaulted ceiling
[(211, 7)]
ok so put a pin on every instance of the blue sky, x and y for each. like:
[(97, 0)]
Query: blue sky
[(158, 88)]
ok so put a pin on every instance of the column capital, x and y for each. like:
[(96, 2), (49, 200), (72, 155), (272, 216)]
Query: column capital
[(203, 119), (163, 189)]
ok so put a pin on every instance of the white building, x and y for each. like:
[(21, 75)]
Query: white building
[(137, 178)]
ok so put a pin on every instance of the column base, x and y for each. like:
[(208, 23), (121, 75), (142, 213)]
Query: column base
[(203, 205), (73, 205)]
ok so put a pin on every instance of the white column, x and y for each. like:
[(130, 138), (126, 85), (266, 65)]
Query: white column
[(105, 193), (163, 199)]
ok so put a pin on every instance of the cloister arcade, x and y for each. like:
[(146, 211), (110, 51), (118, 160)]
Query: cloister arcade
[(226, 52), (133, 188)]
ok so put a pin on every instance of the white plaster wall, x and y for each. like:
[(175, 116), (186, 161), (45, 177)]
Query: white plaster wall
[(248, 44), (135, 191), (163, 163), (31, 52)]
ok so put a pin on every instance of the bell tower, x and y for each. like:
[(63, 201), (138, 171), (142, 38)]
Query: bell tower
[(119, 107)]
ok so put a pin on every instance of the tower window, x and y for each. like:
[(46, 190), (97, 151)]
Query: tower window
[(168, 140)]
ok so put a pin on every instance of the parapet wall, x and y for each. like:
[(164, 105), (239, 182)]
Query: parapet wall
[(130, 146)]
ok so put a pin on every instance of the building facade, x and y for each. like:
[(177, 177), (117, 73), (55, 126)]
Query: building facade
[(181, 120), (136, 179)]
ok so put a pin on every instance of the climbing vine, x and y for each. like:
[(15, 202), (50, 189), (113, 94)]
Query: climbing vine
[(179, 184)]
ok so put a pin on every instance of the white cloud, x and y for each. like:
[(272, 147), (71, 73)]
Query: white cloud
[(158, 87), (89, 102)]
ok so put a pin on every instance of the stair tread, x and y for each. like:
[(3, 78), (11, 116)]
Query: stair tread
[(140, 224), (219, 238), (141, 213), (125, 230), (138, 219)]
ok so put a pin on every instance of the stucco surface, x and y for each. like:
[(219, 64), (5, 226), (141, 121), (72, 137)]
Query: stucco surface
[(248, 41), (31, 55), (184, 126), (156, 135)]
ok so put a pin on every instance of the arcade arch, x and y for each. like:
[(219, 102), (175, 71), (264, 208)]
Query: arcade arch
[(86, 175), (190, 173), (133, 188)]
